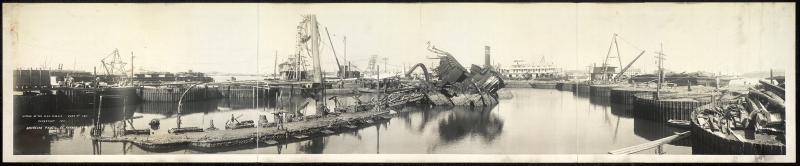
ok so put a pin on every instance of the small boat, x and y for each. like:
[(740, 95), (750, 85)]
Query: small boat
[(679, 123)]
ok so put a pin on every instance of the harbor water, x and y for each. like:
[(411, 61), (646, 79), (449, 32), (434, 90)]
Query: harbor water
[(533, 121)]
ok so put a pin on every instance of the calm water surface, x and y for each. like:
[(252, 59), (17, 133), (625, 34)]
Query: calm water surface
[(534, 121)]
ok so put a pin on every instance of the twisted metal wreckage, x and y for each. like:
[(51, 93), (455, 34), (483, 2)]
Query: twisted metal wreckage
[(454, 86), (761, 111), (457, 86)]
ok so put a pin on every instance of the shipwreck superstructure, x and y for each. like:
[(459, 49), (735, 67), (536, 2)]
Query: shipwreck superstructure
[(456, 85)]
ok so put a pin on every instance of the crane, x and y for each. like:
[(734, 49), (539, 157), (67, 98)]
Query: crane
[(113, 63), (338, 66), (613, 45), (435, 50), (371, 65), (628, 66)]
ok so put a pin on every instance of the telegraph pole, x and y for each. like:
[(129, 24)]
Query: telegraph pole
[(385, 66), (660, 58)]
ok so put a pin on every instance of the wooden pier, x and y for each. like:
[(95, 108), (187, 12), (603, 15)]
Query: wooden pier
[(566, 86), (173, 94), (224, 138), (652, 144), (603, 90), (665, 109), (543, 85), (625, 95)]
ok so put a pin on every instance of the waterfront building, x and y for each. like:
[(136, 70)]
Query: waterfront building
[(522, 70)]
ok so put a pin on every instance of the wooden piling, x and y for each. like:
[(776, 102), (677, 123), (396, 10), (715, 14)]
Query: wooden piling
[(663, 110)]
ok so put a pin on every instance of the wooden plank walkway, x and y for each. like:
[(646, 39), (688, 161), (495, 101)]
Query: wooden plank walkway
[(651, 144)]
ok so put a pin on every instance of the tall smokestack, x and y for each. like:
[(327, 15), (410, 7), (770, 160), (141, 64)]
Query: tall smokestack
[(488, 62)]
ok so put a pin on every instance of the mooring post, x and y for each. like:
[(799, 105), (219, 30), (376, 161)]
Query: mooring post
[(291, 93), (254, 97), (660, 149), (99, 110), (655, 95), (771, 76), (124, 117)]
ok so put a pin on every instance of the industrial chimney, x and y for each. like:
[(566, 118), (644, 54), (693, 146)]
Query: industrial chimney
[(488, 62)]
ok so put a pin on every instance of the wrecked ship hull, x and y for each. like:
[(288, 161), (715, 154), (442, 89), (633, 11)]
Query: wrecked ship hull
[(457, 86)]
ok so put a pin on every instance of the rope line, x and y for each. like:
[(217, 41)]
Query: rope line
[(629, 43)]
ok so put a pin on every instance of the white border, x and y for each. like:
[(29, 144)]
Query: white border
[(302, 158)]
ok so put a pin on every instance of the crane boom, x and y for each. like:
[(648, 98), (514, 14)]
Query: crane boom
[(629, 65), (338, 66), (435, 50)]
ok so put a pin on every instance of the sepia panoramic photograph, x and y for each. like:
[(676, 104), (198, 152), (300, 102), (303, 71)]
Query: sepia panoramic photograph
[(409, 82)]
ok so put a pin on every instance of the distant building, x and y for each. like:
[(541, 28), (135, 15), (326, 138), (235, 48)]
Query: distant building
[(576, 75), (292, 68), (40, 78), (600, 73), (521, 70), (633, 72), (158, 77)]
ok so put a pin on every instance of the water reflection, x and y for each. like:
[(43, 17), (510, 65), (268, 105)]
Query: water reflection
[(622, 110), (600, 100), (427, 114), (470, 121), (582, 92), (651, 130), (313, 146), (31, 142), (534, 121), (168, 109)]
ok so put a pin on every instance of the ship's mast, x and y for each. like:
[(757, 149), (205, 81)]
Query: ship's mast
[(131, 78), (344, 42), (315, 41)]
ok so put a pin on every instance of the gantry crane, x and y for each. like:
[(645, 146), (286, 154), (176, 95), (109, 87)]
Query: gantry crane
[(113, 63)]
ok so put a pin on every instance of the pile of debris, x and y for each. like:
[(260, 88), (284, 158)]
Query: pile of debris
[(458, 86), (758, 114)]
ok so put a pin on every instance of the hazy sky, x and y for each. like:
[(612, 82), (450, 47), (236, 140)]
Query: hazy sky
[(229, 37)]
